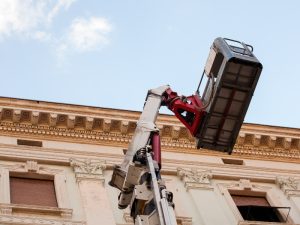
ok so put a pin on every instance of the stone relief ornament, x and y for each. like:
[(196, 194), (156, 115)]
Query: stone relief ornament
[(195, 178), (243, 185), (289, 185), (32, 166), (88, 169)]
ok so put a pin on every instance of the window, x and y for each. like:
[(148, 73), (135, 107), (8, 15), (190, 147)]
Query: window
[(32, 192), (253, 201), (257, 208), (33, 189)]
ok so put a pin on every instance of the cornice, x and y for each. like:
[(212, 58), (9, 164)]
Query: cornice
[(113, 127), (170, 166)]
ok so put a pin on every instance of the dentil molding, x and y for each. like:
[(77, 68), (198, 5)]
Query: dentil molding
[(81, 124)]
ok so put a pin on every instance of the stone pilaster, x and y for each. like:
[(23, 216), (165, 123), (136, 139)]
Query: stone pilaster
[(199, 186), (88, 169), (96, 204)]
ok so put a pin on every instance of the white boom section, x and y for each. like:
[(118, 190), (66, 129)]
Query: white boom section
[(139, 179), (145, 124)]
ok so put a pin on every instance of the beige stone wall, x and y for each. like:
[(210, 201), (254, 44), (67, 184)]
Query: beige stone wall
[(81, 144)]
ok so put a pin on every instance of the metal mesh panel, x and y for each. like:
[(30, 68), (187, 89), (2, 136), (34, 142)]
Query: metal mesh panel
[(228, 95)]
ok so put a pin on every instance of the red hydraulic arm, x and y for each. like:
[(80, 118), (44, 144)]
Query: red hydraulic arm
[(189, 110)]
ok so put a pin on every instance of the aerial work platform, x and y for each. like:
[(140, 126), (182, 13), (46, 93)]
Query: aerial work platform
[(214, 117), (233, 72)]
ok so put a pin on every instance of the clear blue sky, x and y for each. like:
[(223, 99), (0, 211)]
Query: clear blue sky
[(109, 53)]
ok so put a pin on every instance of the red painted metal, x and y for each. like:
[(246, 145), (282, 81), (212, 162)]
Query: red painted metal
[(156, 148), (189, 110)]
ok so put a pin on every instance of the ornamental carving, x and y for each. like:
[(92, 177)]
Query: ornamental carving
[(32, 167), (115, 127), (88, 169), (243, 185), (183, 220), (195, 178), (289, 185), (22, 220), (262, 223), (29, 166), (9, 209)]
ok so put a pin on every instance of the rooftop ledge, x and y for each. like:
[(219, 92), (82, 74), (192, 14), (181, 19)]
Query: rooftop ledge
[(114, 127)]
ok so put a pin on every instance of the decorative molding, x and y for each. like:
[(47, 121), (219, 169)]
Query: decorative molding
[(8, 209), (107, 125), (5, 209), (89, 123), (183, 220), (195, 178), (243, 185), (53, 119), (35, 117), (71, 122), (115, 127), (262, 223), (124, 127), (16, 115), (289, 185), (88, 169), (30, 220), (32, 169), (175, 132)]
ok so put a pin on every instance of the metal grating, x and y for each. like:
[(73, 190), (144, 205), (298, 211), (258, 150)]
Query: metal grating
[(228, 94)]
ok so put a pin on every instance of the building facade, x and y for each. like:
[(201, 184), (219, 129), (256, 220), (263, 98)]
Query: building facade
[(56, 161)]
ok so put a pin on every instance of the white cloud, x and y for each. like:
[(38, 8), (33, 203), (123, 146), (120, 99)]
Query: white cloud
[(83, 35), (33, 19), (23, 17), (17, 16), (57, 7), (88, 34), (41, 36)]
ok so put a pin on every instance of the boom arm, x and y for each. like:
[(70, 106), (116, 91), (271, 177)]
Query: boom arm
[(213, 119), (140, 168)]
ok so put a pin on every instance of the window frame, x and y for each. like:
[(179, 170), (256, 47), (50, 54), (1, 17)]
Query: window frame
[(247, 188), (25, 177), (280, 217), (31, 169)]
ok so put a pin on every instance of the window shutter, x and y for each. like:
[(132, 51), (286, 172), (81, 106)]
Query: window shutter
[(32, 192), (240, 200)]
